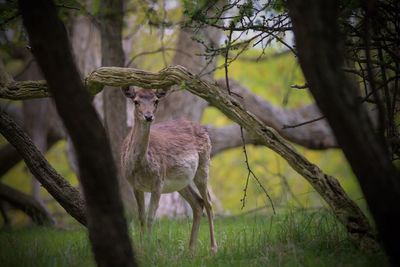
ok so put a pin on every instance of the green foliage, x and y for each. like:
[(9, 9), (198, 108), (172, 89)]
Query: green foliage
[(296, 238), (8, 12), (246, 10), (196, 10)]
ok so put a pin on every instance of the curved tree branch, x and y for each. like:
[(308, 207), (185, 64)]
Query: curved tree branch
[(65, 194), (9, 156), (327, 186)]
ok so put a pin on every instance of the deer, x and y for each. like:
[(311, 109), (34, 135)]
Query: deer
[(165, 157)]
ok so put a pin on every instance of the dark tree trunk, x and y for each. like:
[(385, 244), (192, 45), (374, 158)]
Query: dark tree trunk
[(27, 204), (114, 102), (321, 58), (107, 227)]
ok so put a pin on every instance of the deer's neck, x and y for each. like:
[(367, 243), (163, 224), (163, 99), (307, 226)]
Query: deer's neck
[(139, 142)]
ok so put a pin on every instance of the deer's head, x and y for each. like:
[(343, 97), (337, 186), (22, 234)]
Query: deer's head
[(145, 100)]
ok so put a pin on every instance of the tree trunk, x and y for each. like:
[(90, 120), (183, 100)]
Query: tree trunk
[(321, 58), (114, 102), (107, 228)]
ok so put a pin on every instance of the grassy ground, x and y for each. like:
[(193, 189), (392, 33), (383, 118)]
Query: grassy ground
[(291, 239)]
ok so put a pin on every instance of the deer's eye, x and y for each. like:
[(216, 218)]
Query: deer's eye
[(156, 102), (136, 102)]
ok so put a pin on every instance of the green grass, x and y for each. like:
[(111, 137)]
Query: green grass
[(291, 239)]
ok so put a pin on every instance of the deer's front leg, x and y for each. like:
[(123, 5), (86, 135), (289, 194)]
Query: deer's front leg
[(139, 195), (154, 200)]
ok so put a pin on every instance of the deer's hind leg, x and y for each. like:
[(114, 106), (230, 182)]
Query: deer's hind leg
[(197, 205), (200, 181)]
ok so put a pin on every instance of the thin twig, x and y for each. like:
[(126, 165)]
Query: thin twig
[(250, 173), (285, 126), (296, 86), (228, 43)]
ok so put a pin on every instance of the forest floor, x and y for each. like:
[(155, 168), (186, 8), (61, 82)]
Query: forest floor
[(296, 238)]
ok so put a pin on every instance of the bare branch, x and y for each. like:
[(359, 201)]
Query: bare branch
[(303, 123), (296, 86)]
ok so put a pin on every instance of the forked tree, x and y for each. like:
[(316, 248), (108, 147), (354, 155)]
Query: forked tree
[(167, 157)]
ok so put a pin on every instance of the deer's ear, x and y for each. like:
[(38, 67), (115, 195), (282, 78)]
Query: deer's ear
[(129, 91), (161, 93)]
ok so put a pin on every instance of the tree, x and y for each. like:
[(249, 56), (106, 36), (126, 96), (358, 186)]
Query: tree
[(114, 103), (315, 25), (107, 227)]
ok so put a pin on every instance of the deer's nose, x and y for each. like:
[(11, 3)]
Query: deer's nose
[(149, 117)]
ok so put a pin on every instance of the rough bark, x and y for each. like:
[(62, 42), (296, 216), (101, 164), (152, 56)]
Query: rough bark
[(9, 156), (315, 25), (34, 209), (36, 125), (107, 227), (114, 102), (65, 194), (24, 90)]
